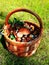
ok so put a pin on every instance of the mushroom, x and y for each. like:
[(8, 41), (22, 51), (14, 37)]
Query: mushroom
[(23, 31)]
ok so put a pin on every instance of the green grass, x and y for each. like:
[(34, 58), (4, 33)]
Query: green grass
[(41, 7)]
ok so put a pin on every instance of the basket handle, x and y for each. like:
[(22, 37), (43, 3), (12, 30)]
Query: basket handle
[(25, 10)]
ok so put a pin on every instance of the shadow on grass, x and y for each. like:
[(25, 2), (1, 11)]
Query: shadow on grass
[(3, 42)]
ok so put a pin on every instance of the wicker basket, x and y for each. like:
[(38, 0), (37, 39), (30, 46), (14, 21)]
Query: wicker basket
[(23, 48)]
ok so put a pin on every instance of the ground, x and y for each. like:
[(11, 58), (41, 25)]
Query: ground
[(41, 7)]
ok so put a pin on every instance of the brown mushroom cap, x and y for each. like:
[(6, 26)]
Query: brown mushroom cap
[(23, 31)]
